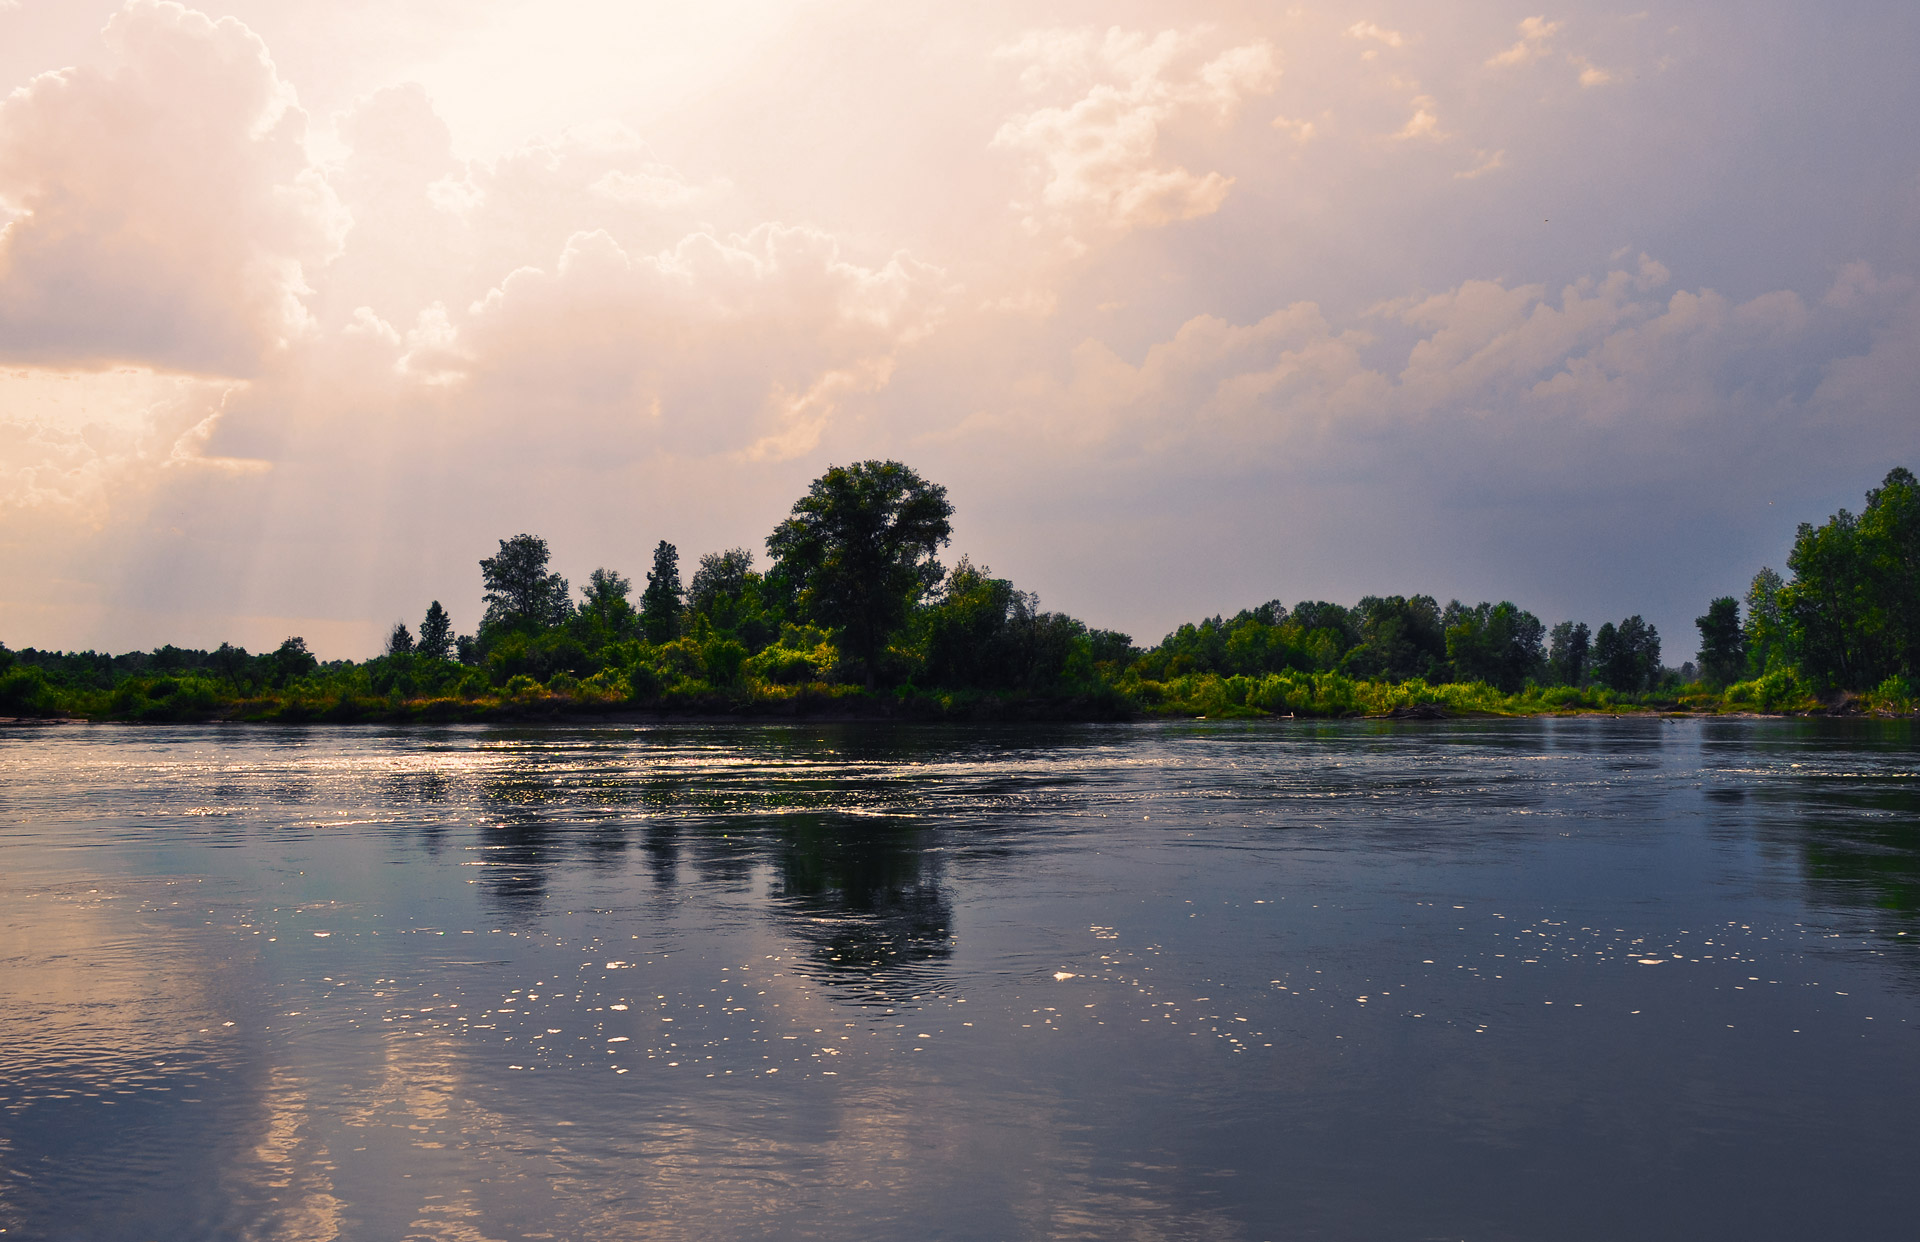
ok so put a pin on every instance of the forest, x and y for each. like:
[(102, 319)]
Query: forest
[(854, 615)]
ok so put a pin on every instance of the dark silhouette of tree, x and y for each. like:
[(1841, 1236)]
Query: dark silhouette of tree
[(660, 603), (1567, 650), (400, 641), (436, 633), (859, 549), (1723, 648), (291, 660), (521, 594)]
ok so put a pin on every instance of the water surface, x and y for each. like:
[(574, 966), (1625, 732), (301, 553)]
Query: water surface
[(1568, 978)]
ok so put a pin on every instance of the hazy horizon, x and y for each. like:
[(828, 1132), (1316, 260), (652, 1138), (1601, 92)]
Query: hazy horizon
[(1189, 307)]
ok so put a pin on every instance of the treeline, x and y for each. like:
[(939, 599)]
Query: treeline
[(853, 612)]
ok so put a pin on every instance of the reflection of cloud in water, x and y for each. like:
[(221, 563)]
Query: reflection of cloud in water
[(104, 1007)]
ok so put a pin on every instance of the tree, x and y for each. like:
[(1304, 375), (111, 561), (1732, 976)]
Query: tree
[(436, 633), (1495, 643), (1400, 638), (721, 579), (1567, 653), (858, 551), (1626, 658), (400, 642), (521, 594), (1723, 648), (660, 602), (289, 660), (605, 608), (1766, 632)]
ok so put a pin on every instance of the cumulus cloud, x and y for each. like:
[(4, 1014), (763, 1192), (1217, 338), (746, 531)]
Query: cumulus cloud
[(1379, 34), (165, 209), (1098, 157), (1493, 365), (1536, 39)]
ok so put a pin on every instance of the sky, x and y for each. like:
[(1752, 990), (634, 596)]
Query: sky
[(304, 307)]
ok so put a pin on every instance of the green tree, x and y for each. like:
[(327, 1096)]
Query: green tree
[(605, 611), (1400, 638), (1499, 644), (436, 633), (1567, 650), (291, 660), (660, 603), (721, 580), (400, 641), (1626, 657), (1723, 647), (858, 551), (1766, 632), (522, 596)]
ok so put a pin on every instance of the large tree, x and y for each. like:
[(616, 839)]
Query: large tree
[(858, 551), (521, 593)]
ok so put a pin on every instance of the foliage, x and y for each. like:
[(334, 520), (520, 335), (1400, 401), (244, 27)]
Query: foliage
[(1567, 652), (1723, 644), (436, 633), (858, 551), (1495, 643), (1626, 657), (855, 602), (660, 602), (522, 596)]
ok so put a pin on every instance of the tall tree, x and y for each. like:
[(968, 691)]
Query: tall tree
[(605, 605), (400, 641), (436, 633), (859, 551), (660, 603), (521, 593), (1626, 657), (1766, 631), (1567, 653), (721, 578), (1495, 643), (1723, 647)]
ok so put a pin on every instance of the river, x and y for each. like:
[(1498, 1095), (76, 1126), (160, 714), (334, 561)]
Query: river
[(1568, 978)]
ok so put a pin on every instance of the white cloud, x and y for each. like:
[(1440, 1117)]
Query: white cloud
[(1368, 30), (1536, 39), (1098, 156), (166, 210)]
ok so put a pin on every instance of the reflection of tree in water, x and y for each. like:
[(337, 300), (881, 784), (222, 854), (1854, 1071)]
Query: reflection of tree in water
[(1852, 818), (865, 896)]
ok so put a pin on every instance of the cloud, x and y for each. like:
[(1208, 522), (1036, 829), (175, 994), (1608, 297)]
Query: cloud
[(166, 211), (1367, 30), (1098, 156), (1423, 123), (1536, 38)]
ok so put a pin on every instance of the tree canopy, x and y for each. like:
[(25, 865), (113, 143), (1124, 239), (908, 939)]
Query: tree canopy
[(858, 551)]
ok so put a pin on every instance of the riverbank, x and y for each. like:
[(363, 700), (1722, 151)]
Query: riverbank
[(1328, 696)]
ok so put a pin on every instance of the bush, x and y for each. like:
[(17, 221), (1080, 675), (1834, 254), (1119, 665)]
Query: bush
[(25, 691)]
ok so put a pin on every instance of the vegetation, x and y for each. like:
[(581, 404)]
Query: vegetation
[(855, 615)]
